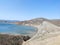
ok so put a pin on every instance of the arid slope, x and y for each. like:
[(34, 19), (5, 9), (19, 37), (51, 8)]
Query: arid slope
[(48, 34)]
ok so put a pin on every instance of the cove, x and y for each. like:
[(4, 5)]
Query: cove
[(16, 29)]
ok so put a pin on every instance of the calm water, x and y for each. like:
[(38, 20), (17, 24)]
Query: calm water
[(16, 29)]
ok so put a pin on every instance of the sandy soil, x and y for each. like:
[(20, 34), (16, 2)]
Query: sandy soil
[(48, 34)]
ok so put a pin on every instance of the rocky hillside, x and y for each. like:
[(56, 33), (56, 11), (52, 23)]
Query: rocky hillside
[(56, 22), (38, 21), (35, 21), (48, 34), (6, 39)]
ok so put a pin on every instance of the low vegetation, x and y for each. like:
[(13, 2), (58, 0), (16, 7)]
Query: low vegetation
[(6, 39)]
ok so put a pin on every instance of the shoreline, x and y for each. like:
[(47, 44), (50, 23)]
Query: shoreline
[(21, 34)]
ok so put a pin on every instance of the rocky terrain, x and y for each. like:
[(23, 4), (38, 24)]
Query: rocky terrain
[(38, 21), (35, 21), (48, 34), (6, 39)]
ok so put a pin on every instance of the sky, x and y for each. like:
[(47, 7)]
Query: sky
[(29, 9)]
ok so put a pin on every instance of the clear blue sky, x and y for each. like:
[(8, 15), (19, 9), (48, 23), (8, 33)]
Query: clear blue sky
[(29, 9)]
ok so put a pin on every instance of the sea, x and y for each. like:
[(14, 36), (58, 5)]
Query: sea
[(15, 29)]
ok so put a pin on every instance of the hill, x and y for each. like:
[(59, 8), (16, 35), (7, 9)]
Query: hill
[(48, 34), (35, 21), (38, 21)]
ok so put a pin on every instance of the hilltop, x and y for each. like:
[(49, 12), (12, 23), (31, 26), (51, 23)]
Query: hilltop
[(38, 21), (35, 21)]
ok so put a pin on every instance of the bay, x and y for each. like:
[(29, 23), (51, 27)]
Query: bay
[(16, 29)]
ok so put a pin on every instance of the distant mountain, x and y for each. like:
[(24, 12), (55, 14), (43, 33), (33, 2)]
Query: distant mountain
[(56, 22), (35, 21), (38, 21), (8, 21)]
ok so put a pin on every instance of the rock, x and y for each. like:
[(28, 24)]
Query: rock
[(25, 38), (10, 39)]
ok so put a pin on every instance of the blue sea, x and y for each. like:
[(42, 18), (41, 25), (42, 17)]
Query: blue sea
[(16, 29)]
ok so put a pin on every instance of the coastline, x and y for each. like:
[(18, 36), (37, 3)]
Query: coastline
[(49, 30), (17, 33), (7, 36)]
